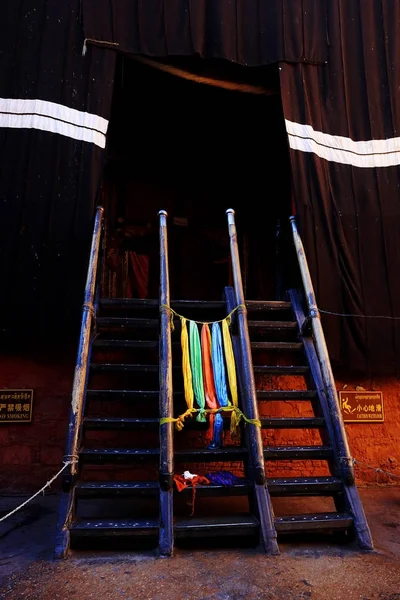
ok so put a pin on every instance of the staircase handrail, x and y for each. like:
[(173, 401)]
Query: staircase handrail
[(345, 458), (249, 399), (81, 365), (165, 355)]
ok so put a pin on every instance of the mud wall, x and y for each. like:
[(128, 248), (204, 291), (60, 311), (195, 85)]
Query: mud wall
[(30, 454)]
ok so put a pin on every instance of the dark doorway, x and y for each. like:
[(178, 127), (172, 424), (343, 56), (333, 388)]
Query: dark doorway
[(196, 150)]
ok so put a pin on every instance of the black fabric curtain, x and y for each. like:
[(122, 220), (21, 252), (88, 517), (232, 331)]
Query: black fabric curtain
[(248, 32), (50, 169), (347, 194)]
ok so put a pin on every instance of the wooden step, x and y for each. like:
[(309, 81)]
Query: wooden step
[(114, 527), (119, 489), (235, 525), (296, 423), (127, 322), (277, 346), (313, 522), (281, 369), (298, 453), (286, 394), (90, 423), (304, 486)]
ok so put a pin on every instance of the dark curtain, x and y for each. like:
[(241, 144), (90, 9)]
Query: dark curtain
[(49, 181), (248, 32), (346, 194)]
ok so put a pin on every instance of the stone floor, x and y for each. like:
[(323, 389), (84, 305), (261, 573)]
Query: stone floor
[(303, 570)]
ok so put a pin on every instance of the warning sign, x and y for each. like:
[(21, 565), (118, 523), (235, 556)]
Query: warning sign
[(361, 407), (16, 406)]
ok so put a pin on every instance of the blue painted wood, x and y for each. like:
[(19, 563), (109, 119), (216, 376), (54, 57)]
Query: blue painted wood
[(352, 501), (89, 308), (166, 408), (260, 499)]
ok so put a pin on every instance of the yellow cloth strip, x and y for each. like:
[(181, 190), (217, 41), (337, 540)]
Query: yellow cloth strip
[(179, 421), (227, 318), (234, 409), (186, 369)]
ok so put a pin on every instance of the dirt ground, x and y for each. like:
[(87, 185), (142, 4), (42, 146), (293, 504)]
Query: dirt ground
[(316, 571)]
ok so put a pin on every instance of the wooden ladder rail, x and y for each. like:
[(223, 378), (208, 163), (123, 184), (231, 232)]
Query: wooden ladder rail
[(340, 443), (166, 464), (89, 308), (249, 402)]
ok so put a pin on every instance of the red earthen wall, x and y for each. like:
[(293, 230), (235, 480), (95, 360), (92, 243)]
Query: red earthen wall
[(30, 454)]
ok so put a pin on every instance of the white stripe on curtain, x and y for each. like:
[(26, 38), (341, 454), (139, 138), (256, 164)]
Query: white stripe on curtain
[(55, 118), (336, 148)]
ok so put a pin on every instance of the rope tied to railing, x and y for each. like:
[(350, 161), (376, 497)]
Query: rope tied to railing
[(228, 318), (42, 489)]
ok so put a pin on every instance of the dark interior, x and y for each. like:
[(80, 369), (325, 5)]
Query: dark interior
[(195, 150)]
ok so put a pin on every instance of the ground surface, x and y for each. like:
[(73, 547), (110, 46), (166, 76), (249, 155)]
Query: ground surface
[(318, 571)]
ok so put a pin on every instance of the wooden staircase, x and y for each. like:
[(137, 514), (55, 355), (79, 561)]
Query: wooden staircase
[(120, 493)]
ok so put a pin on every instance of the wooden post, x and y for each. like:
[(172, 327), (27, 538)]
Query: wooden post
[(166, 467), (249, 401)]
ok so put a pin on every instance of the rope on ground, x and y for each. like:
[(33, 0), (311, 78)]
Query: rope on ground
[(48, 484)]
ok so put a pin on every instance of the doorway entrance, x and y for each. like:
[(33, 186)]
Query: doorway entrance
[(196, 149)]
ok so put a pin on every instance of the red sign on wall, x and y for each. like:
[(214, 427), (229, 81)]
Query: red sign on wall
[(361, 406)]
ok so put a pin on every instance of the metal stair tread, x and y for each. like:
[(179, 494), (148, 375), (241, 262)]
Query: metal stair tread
[(101, 527), (111, 454), (86, 489), (130, 367), (123, 393), (260, 324), (198, 304), (129, 302), (119, 422), (281, 369), (298, 452), (276, 345), (269, 305), (142, 344), (224, 453), (128, 393), (126, 322), (314, 521), (246, 524), (303, 486)]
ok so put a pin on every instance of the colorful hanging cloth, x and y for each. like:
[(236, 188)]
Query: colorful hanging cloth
[(195, 385), (197, 371), (216, 422)]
